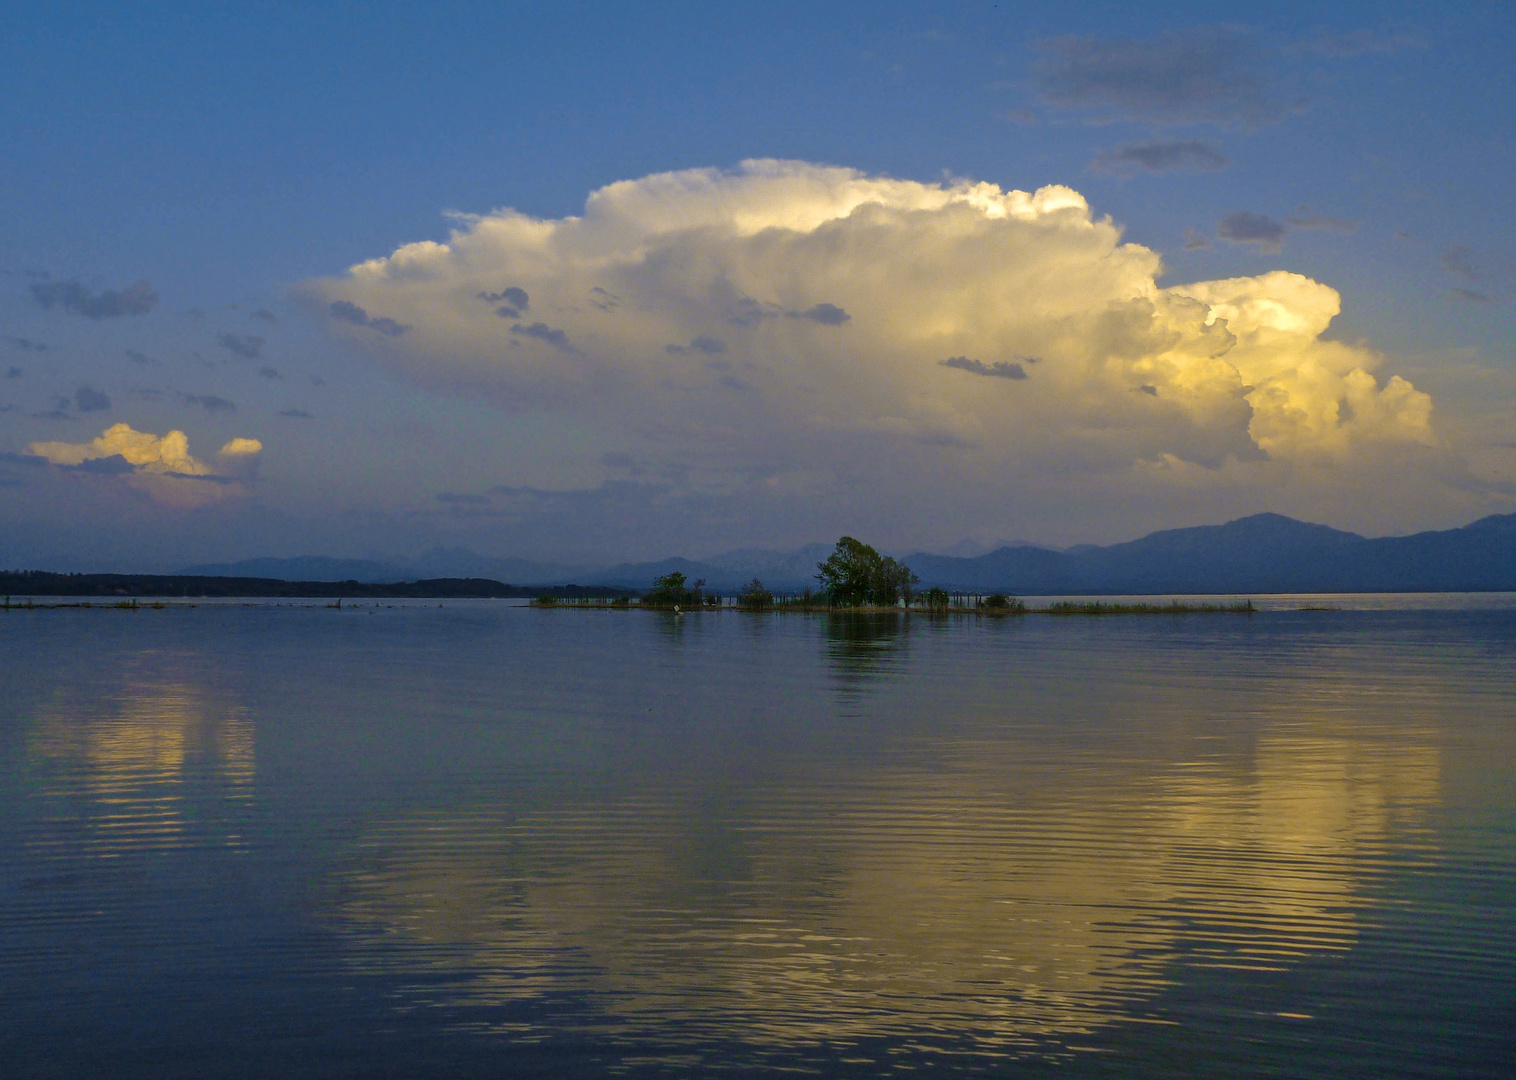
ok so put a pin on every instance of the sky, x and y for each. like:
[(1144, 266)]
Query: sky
[(591, 283)]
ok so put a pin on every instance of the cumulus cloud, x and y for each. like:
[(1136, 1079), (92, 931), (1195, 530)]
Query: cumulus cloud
[(1246, 227), (1208, 74), (247, 346), (139, 299), (161, 466), (1238, 369), (1159, 157)]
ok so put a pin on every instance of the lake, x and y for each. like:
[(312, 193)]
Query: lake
[(487, 840)]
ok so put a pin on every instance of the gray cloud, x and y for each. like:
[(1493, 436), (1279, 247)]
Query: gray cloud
[(1195, 240), (543, 332), (1465, 262), (139, 299), (1358, 43), (211, 403), (247, 346), (617, 459), (25, 344), (59, 411), (295, 414), (709, 345), (1159, 157), (1471, 296), (513, 301), (604, 299), (1148, 388), (346, 311), (825, 314), (1000, 369), (88, 399), (264, 315), (270, 373), (13, 372), (1246, 227), (750, 312), (115, 465), (139, 358), (1321, 223), (1197, 75)]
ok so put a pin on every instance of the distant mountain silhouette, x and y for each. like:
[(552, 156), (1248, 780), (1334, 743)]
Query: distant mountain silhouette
[(1258, 554), (1261, 553)]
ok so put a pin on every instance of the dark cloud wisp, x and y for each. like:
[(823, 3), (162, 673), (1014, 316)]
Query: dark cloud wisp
[(138, 299), (88, 399), (1199, 75), (1159, 157), (1246, 227), (1000, 369), (247, 346), (348, 312)]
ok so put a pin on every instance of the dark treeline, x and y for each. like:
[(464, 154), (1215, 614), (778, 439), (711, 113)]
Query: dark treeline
[(40, 583)]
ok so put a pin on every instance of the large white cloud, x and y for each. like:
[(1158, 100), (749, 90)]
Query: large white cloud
[(790, 319)]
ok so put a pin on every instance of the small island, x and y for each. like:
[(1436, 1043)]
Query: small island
[(857, 579)]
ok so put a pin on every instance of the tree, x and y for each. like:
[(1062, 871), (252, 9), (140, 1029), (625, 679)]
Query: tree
[(856, 574), (671, 590), (755, 596)]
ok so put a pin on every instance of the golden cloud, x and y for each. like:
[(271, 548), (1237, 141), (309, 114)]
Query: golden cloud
[(162, 466)]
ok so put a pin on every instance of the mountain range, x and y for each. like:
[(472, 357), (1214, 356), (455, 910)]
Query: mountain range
[(1258, 554)]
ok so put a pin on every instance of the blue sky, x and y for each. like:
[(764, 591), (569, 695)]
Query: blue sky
[(241, 160)]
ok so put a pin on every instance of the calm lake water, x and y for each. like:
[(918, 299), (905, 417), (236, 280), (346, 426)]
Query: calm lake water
[(484, 840)]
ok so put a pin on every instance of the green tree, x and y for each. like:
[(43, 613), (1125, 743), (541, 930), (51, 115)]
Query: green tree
[(671, 589), (856, 574)]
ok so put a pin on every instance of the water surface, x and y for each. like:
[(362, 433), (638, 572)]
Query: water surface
[(484, 840)]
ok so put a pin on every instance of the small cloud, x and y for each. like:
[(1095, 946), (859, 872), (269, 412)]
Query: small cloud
[(825, 314), (1000, 369), (211, 403), (1246, 227), (1465, 262), (345, 311), (604, 299), (264, 315), (709, 345), (139, 358), (462, 500), (750, 312), (13, 372), (1148, 388), (315, 380), (295, 414), (1203, 74), (246, 346), (1358, 43), (25, 344), (1321, 223), (1195, 240), (139, 299), (240, 448), (270, 373), (1159, 157), (114, 465), (88, 399), (543, 332), (1025, 117), (513, 300), (1471, 296)]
